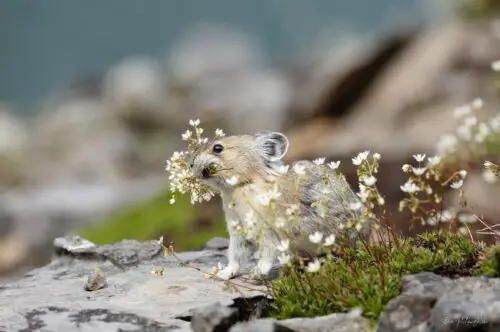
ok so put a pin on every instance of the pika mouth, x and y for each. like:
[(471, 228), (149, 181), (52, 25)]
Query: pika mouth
[(206, 173)]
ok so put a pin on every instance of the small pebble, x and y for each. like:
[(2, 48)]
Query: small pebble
[(96, 280)]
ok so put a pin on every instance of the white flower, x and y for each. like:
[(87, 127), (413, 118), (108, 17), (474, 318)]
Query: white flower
[(194, 123), (264, 199), (363, 192), (358, 226), (187, 135), (292, 209), (314, 266), (284, 258), (467, 218), (462, 111), (316, 237), (470, 121), (334, 164), (419, 157), (406, 168), (330, 240), (464, 132), (299, 169), (479, 138), (250, 218), (219, 133), (433, 161), (326, 191), (409, 187), (496, 65), (232, 180), (444, 217), (419, 170), (477, 103), (446, 144), (357, 161), (463, 173), (360, 157), (160, 240), (284, 244), (380, 200), (495, 123), (207, 196), (319, 161), (448, 215), (283, 169), (457, 184), (172, 200), (280, 222), (377, 156), (355, 206), (489, 164), (369, 180)]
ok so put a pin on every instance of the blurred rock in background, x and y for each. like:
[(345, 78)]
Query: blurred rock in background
[(98, 147)]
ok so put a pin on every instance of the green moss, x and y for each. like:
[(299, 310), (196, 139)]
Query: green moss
[(489, 264), (148, 220), (478, 9), (370, 276)]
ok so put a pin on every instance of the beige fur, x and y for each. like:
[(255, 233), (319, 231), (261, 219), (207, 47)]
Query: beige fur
[(256, 162)]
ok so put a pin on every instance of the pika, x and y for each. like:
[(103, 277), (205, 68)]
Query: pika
[(247, 171)]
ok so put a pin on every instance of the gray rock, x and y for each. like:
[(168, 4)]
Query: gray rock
[(51, 298), (433, 303), (122, 254), (473, 305), (73, 244), (339, 322), (217, 243), (214, 317), (260, 325), (96, 280)]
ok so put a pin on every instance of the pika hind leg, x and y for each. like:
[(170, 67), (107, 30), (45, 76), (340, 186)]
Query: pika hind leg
[(268, 256)]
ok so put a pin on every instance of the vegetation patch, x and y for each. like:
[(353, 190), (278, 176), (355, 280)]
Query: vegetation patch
[(370, 276)]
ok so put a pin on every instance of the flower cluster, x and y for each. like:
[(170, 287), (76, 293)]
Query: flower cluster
[(368, 193), (182, 179), (473, 139)]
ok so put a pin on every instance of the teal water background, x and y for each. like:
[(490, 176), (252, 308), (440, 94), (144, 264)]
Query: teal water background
[(47, 44)]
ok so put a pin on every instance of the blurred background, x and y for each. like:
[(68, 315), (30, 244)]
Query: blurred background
[(95, 94)]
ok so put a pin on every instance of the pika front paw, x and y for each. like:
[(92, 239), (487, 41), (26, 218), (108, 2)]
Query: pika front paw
[(229, 272)]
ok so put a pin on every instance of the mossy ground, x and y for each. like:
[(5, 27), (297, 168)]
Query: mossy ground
[(370, 276), (186, 226)]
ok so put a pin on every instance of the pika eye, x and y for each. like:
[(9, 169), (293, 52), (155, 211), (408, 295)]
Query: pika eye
[(218, 148)]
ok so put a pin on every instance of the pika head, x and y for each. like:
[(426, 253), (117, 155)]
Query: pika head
[(246, 158)]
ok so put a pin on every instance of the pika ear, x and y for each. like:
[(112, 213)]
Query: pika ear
[(273, 145)]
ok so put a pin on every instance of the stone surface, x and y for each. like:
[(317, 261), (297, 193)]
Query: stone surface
[(217, 243), (52, 298), (260, 325), (144, 290), (433, 303), (349, 322), (214, 317), (96, 280), (341, 322)]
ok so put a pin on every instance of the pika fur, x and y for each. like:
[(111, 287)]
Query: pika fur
[(255, 162)]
